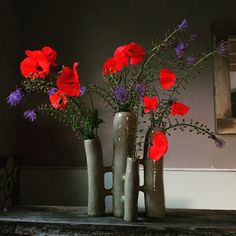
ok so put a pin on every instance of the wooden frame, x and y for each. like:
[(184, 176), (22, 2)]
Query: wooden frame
[(225, 123)]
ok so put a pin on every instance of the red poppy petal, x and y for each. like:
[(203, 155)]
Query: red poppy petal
[(58, 100), (36, 54), (159, 146), (120, 50), (159, 139), (167, 78), (155, 154), (179, 108), (68, 81), (45, 68), (150, 104), (28, 67), (111, 65), (135, 52), (76, 76), (121, 56), (135, 60), (50, 53)]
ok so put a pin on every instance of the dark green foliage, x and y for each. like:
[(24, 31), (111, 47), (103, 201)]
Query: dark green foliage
[(76, 115)]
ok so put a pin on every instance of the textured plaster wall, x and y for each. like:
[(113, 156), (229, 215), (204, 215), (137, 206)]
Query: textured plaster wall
[(89, 31)]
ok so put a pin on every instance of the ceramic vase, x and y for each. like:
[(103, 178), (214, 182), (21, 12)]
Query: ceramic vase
[(153, 180), (124, 134), (131, 190), (96, 191)]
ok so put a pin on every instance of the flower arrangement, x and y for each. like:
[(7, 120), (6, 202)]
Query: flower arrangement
[(62, 86), (133, 80), (149, 83), (143, 85)]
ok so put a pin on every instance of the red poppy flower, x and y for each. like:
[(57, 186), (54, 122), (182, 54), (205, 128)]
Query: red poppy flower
[(179, 108), (159, 146), (167, 78), (111, 66), (58, 100), (68, 81), (36, 65), (121, 56), (135, 52), (150, 104), (50, 53)]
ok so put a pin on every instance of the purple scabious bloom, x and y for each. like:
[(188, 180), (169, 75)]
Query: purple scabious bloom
[(191, 60), (30, 115), (180, 49), (52, 91), (15, 97), (194, 36), (121, 94), (140, 89), (183, 25), (83, 90), (223, 48), (220, 143)]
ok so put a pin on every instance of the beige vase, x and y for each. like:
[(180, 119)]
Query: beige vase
[(124, 135), (153, 180), (96, 191)]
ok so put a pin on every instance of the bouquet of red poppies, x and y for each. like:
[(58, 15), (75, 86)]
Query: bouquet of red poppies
[(149, 83), (134, 80), (62, 86)]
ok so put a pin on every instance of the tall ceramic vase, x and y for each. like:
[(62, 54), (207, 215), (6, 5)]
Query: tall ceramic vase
[(153, 180), (96, 191), (131, 190), (124, 134)]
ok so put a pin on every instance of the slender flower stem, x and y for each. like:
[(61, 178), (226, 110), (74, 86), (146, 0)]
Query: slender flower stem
[(179, 82), (105, 96), (155, 50), (192, 126)]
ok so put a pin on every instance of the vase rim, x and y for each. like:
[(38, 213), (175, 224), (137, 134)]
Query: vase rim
[(124, 112), (91, 139), (158, 128)]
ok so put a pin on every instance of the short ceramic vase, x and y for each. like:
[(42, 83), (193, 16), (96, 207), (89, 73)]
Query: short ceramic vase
[(131, 190), (96, 191)]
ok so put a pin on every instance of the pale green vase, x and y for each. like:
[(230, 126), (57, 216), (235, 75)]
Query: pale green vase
[(124, 134), (96, 191), (131, 190), (153, 180)]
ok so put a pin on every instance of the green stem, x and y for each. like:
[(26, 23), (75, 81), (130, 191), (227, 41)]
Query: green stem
[(190, 125), (155, 50), (179, 82)]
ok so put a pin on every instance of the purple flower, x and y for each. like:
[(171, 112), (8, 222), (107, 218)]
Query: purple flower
[(15, 97), (183, 25), (223, 48), (180, 49), (52, 91), (140, 89), (121, 94), (83, 90), (220, 143), (194, 36), (30, 115), (191, 60)]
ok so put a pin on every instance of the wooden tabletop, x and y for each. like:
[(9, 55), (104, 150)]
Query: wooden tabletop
[(74, 221)]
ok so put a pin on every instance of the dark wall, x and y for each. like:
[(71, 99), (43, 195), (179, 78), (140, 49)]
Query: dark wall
[(88, 31), (9, 59)]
